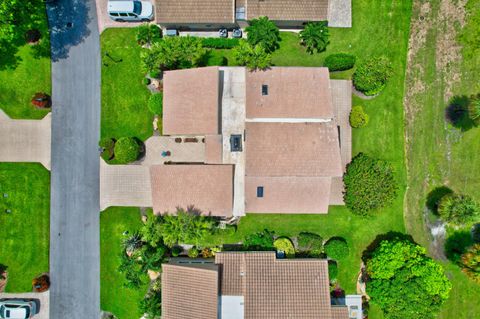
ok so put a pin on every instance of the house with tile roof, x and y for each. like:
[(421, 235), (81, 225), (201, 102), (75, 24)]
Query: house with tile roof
[(273, 141), (215, 14), (248, 285)]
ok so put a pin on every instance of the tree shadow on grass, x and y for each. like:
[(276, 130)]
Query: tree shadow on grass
[(457, 244), (457, 113), (433, 198), (368, 252)]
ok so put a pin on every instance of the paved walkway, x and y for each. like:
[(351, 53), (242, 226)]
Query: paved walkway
[(42, 298), (340, 13), (25, 140), (74, 213), (180, 152)]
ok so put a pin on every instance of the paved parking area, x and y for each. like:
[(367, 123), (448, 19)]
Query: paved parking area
[(25, 140), (42, 298), (105, 22)]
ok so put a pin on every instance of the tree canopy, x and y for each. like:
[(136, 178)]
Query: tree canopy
[(315, 36), (371, 75), (253, 57), (404, 281), (265, 32), (458, 209), (126, 150)]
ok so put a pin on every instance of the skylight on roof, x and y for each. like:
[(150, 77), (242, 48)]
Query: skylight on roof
[(264, 89)]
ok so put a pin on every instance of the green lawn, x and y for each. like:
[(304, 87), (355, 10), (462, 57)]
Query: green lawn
[(17, 86), (25, 230), (438, 154), (114, 297), (124, 97)]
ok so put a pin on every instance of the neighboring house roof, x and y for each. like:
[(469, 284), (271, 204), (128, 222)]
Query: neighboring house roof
[(292, 195), (293, 92), (191, 101), (292, 149), (208, 188), (189, 292), (340, 312), (288, 10), (195, 11)]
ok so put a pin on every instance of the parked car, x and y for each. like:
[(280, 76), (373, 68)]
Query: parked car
[(17, 309), (123, 11), (237, 33), (223, 33)]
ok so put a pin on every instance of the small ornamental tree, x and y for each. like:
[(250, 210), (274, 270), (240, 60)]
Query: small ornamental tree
[(458, 209), (339, 62), (369, 184), (315, 37), (404, 282), (132, 243), (371, 76), (253, 57), (470, 263), (155, 103), (265, 32), (126, 150), (148, 34), (336, 248), (358, 118)]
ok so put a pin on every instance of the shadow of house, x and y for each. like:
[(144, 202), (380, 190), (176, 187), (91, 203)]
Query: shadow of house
[(69, 23)]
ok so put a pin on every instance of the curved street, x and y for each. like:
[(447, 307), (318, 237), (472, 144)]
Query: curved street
[(74, 221)]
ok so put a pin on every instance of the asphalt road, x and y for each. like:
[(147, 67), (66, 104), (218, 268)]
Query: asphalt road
[(74, 216)]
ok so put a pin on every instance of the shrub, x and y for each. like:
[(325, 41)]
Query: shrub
[(207, 253), (107, 145), (404, 282), (146, 81), (155, 74), (371, 76), (132, 271), (470, 263), (152, 257), (126, 150), (259, 241), (253, 57), (264, 32), (33, 36), (339, 62), (155, 103), (332, 270), (285, 245), (336, 248), (193, 252), (457, 244), (315, 36), (369, 184), (176, 251), (311, 243), (458, 209), (132, 243), (151, 305), (148, 33), (219, 43), (358, 118)]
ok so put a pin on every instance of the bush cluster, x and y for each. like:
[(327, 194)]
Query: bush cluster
[(107, 145), (252, 56), (458, 209), (336, 248), (310, 243), (339, 62), (127, 150), (371, 76), (155, 103), (285, 245), (259, 241), (369, 184), (219, 43), (193, 252), (264, 32), (358, 118), (148, 34)]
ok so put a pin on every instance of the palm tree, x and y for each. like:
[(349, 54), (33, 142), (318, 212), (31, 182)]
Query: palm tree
[(315, 37), (132, 243)]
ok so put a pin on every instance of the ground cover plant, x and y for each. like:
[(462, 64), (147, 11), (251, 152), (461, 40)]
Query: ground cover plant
[(24, 216), (23, 71)]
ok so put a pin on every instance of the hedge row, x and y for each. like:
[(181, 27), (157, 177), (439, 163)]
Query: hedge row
[(219, 43)]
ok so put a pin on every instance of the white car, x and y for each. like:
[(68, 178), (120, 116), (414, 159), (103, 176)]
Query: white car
[(17, 309), (123, 11)]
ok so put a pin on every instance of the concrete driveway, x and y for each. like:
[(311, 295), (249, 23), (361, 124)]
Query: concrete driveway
[(42, 298), (25, 140)]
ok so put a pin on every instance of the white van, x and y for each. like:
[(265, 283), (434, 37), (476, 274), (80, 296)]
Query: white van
[(122, 11)]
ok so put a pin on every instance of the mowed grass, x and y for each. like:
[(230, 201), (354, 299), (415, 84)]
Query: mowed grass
[(114, 297), (18, 85), (24, 238), (437, 153), (124, 96)]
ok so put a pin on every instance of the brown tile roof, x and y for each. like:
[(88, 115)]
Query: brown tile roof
[(191, 101), (292, 195), (206, 187), (293, 92), (292, 149), (277, 289), (189, 292), (213, 149), (288, 10), (340, 312), (194, 11)]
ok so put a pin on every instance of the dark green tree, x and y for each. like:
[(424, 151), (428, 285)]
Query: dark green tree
[(371, 75), (315, 36), (265, 32), (148, 34), (127, 149), (458, 209), (404, 281), (253, 57)]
